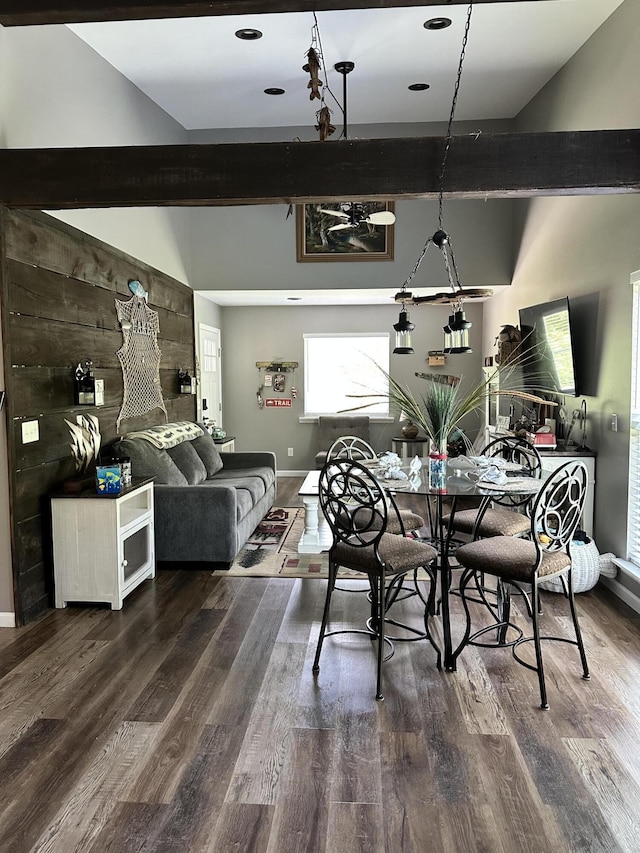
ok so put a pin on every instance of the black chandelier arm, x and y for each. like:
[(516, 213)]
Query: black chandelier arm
[(450, 265), (416, 267)]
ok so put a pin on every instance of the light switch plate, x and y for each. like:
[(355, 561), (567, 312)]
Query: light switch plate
[(30, 432)]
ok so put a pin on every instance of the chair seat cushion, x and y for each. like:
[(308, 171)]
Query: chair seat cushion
[(410, 520), (509, 558), (398, 553), (495, 522)]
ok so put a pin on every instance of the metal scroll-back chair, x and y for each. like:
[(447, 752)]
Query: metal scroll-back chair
[(355, 448), (555, 514), (508, 514), (357, 508)]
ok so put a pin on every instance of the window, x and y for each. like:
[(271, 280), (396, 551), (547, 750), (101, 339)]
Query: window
[(340, 369), (633, 511)]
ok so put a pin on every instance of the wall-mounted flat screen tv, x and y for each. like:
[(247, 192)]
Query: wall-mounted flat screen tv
[(548, 341)]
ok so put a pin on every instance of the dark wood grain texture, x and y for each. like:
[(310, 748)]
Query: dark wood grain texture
[(33, 12), (507, 165), (58, 293), (191, 721)]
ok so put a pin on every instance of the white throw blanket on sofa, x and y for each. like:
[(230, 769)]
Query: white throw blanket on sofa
[(168, 435)]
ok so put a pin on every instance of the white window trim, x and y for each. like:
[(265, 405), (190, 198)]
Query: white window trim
[(632, 562)]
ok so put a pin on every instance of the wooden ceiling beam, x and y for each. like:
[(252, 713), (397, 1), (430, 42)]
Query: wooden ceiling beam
[(35, 12), (479, 166)]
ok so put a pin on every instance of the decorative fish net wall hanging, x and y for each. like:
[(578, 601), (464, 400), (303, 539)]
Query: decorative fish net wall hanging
[(140, 359)]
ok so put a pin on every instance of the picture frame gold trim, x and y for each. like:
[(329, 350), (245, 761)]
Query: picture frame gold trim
[(373, 243)]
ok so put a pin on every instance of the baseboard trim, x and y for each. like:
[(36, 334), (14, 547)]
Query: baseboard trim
[(622, 592), (7, 620), (293, 473)]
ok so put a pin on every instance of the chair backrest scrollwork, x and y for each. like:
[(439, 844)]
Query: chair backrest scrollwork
[(353, 502), (558, 508)]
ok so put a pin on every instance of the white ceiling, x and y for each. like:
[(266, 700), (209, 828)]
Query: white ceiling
[(203, 76)]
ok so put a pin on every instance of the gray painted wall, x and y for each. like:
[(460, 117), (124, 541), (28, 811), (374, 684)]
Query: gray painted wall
[(254, 248), (259, 334), (586, 248)]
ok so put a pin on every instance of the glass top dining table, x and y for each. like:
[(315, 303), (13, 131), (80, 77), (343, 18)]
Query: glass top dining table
[(458, 485)]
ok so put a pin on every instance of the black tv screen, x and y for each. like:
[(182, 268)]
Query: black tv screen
[(547, 340)]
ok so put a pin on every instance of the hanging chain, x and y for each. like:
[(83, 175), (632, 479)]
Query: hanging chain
[(453, 279), (454, 101)]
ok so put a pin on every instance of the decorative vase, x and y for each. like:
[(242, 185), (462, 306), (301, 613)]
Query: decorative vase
[(410, 430), (438, 458)]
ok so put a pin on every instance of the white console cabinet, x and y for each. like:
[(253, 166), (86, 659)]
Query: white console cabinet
[(103, 545), (553, 459)]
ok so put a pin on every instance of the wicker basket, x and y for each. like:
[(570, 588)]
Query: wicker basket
[(585, 563)]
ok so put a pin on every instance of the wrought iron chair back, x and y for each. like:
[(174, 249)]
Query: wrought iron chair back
[(353, 502), (351, 447), (521, 452)]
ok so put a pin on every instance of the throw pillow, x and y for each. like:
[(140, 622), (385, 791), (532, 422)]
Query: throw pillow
[(209, 453), (188, 461), (149, 461)]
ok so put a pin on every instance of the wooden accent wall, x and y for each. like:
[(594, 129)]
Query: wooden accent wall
[(58, 291)]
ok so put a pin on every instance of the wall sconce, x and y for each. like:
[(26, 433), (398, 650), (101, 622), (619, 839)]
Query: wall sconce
[(403, 328), (88, 391), (186, 385)]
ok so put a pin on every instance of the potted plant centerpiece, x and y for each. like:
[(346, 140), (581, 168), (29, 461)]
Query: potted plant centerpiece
[(440, 410)]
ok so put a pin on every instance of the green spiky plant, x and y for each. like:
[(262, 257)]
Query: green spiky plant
[(443, 406)]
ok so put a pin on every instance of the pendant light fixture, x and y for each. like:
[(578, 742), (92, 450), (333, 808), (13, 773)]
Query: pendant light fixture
[(456, 332), (403, 328)]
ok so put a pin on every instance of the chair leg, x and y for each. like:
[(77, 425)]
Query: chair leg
[(380, 629), (333, 571), (535, 593), (504, 610), (576, 626)]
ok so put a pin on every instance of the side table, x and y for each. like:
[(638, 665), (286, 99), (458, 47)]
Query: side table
[(410, 447), (103, 545), (226, 445)]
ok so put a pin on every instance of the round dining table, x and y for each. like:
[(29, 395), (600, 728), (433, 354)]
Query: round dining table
[(458, 485)]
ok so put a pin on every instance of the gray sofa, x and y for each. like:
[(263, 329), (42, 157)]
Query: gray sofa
[(206, 503)]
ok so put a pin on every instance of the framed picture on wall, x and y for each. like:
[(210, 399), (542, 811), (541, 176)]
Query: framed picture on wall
[(339, 231)]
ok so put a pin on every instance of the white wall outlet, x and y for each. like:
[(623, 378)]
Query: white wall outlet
[(290, 451), (614, 423), (30, 432)]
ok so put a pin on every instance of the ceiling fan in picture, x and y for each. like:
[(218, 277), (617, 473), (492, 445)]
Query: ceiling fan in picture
[(356, 215)]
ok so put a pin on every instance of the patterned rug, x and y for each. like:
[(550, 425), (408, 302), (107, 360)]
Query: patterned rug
[(272, 550)]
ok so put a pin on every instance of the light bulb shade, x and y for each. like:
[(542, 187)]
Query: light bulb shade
[(448, 335), (460, 333), (403, 329)]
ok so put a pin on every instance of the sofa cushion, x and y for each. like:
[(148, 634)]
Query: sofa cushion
[(255, 486), (208, 453), (188, 461), (150, 461), (267, 475)]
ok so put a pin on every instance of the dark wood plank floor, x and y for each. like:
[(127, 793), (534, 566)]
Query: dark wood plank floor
[(191, 721)]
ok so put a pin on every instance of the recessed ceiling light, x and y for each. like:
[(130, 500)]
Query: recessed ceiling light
[(418, 87), (274, 90), (249, 34), (437, 23)]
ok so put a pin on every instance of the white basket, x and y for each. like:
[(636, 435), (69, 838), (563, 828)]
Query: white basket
[(585, 563)]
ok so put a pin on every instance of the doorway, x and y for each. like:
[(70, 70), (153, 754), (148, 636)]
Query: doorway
[(210, 386)]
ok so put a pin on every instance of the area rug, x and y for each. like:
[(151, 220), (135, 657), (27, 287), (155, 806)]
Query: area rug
[(272, 550)]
